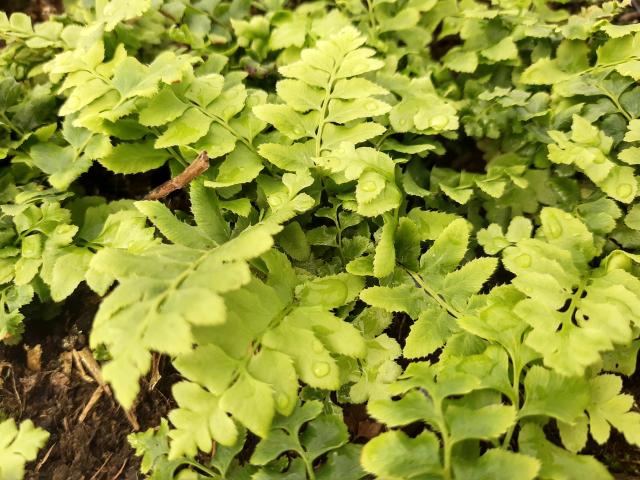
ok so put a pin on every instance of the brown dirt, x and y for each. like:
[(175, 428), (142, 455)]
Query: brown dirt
[(37, 9), (54, 398)]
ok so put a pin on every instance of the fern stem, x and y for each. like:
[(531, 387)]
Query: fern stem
[(517, 371), (175, 153), (311, 474), (309, 467), (323, 114), (382, 138), (373, 24), (447, 447), (10, 125), (339, 238), (615, 101), (224, 124), (433, 294), (201, 467), (573, 305)]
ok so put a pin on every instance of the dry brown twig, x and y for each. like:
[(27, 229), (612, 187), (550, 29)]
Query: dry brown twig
[(79, 368), (104, 464), (85, 357), (132, 419), (97, 393), (155, 376), (199, 166), (117, 475), (629, 17), (45, 458)]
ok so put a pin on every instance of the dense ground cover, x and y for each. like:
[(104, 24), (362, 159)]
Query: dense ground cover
[(392, 239)]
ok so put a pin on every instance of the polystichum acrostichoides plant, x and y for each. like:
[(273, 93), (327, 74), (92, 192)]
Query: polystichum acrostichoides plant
[(424, 207)]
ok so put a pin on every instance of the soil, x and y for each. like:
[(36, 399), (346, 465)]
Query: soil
[(40, 381), (37, 9)]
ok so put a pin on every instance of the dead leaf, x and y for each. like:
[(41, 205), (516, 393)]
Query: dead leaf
[(34, 358)]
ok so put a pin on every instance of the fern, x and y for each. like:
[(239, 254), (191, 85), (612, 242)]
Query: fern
[(19, 445), (153, 286), (306, 434), (554, 273), (587, 150), (430, 290), (325, 106), (359, 161), (450, 418), (296, 334)]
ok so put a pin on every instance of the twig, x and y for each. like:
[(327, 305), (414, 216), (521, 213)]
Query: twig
[(15, 391), (104, 464), (78, 361), (199, 165), (97, 393), (131, 418), (155, 371), (4, 365), (45, 458), (85, 357), (117, 475), (94, 369), (629, 17)]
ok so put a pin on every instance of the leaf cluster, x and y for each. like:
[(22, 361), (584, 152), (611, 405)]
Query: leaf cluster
[(428, 208)]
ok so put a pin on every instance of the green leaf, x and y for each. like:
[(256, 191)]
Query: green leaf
[(394, 455), (447, 251), (292, 158), (484, 423), (557, 462), (461, 61), (608, 407), (188, 128), (548, 393), (134, 158), (240, 166), (153, 290), (206, 211), (343, 463), (198, 421), (633, 132), (321, 434), (61, 163), (68, 271), (404, 298), (162, 108), (130, 79), (384, 260), (291, 123), (324, 433), (205, 89), (250, 401), (497, 464), (172, 228), (194, 366), (19, 445), (117, 11), (153, 447)]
